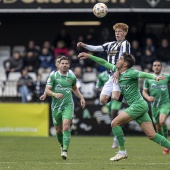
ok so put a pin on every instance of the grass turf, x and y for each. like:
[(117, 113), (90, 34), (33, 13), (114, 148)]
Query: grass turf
[(85, 153)]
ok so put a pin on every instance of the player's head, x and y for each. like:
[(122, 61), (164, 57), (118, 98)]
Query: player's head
[(121, 30), (64, 64), (126, 60), (57, 61), (157, 67)]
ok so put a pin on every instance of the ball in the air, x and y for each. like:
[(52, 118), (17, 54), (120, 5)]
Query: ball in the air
[(100, 10)]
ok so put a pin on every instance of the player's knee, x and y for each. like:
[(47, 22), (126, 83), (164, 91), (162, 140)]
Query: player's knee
[(103, 100), (66, 127), (151, 136), (113, 123), (115, 97)]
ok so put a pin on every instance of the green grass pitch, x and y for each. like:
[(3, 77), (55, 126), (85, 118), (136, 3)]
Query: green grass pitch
[(85, 153)]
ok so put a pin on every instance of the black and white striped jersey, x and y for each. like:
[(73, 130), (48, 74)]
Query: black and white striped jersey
[(115, 49)]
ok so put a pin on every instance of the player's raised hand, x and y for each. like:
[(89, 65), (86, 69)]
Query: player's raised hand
[(83, 55), (159, 78), (81, 44)]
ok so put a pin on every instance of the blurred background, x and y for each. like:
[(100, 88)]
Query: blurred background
[(33, 33)]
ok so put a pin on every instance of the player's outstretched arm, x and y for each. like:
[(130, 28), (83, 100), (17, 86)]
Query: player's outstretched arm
[(94, 48), (98, 60), (151, 76)]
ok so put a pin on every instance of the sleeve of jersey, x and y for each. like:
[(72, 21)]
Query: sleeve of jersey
[(103, 62), (146, 75), (94, 48)]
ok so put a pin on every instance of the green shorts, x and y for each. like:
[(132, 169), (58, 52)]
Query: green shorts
[(156, 111), (139, 111), (59, 115)]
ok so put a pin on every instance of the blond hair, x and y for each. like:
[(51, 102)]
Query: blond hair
[(122, 26)]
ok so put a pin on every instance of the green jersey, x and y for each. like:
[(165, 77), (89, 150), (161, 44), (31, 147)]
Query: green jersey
[(128, 81), (159, 90), (102, 79), (61, 84)]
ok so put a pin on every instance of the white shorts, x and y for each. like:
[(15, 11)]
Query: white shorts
[(109, 87)]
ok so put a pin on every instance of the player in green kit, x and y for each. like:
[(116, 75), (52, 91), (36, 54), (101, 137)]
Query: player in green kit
[(138, 107), (112, 106), (157, 93), (60, 85)]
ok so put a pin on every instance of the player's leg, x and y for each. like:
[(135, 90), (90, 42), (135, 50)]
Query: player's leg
[(122, 118), (149, 130), (115, 106), (59, 134), (164, 111), (106, 92), (67, 117), (134, 112), (57, 122)]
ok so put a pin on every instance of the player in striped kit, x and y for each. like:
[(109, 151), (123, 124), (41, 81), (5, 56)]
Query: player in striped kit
[(114, 50)]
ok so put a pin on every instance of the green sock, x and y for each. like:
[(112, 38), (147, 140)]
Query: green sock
[(161, 140), (66, 140), (118, 133), (60, 138), (115, 105), (165, 131)]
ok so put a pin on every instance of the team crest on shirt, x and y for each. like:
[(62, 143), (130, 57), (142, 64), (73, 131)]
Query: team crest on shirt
[(69, 81)]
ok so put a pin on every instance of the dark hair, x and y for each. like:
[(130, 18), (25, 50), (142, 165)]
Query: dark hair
[(129, 59), (158, 61)]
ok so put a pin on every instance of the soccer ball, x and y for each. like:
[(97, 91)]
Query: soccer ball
[(100, 10)]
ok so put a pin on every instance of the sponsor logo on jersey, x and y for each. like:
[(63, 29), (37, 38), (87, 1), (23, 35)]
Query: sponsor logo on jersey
[(60, 88), (155, 86)]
